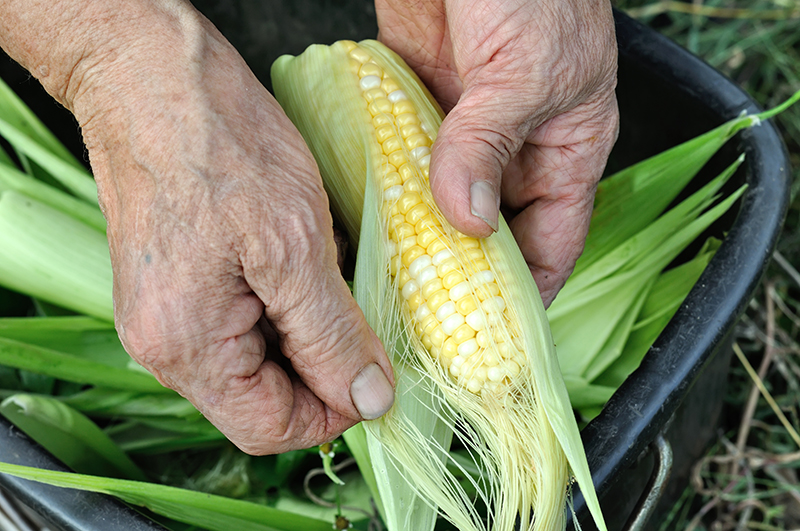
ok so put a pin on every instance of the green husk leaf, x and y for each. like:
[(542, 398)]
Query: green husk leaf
[(600, 306), (81, 336), (69, 435), (207, 511), (73, 177), (663, 301), (101, 402), (71, 368), (631, 199), (52, 256), (13, 179), (14, 112)]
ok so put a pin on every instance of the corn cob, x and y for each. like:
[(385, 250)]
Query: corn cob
[(472, 343)]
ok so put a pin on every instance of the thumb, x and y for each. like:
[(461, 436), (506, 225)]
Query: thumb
[(474, 145)]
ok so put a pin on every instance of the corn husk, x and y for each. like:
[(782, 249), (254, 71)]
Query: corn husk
[(533, 429)]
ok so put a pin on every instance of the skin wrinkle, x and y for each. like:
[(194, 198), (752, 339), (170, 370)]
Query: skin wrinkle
[(196, 165)]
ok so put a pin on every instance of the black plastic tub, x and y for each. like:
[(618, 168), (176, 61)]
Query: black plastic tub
[(665, 414)]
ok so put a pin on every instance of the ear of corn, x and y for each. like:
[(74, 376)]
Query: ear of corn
[(461, 318)]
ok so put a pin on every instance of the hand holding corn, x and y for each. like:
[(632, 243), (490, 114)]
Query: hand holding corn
[(217, 220), (532, 116)]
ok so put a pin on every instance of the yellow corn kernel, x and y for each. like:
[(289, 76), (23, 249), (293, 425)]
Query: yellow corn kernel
[(391, 179), (402, 107), (374, 94), (412, 254), (380, 106), (427, 236), (409, 118), (420, 140), (431, 287), (463, 333), (410, 129), (451, 278), (392, 144), (382, 120), (417, 212), (389, 85), (385, 132), (398, 158), (436, 300), (435, 247), (408, 201), (370, 69), (407, 172), (466, 305)]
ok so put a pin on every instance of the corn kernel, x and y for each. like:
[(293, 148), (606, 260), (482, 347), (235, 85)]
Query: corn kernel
[(380, 106), (409, 118), (417, 212), (436, 300), (413, 253), (389, 85), (371, 69), (398, 158), (410, 129), (402, 107), (420, 140)]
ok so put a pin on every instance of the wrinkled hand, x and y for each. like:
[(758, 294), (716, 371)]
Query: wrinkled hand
[(220, 237), (529, 87)]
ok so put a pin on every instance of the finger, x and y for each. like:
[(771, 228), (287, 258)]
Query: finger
[(476, 141), (322, 331)]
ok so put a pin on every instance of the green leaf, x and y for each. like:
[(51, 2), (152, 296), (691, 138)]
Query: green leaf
[(72, 176), (81, 336), (631, 199), (52, 256), (103, 402), (663, 301), (69, 435), (13, 179), (74, 369), (215, 513), (14, 112)]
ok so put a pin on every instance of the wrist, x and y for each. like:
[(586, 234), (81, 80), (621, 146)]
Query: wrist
[(73, 46)]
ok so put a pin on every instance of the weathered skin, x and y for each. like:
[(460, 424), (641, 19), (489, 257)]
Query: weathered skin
[(221, 241)]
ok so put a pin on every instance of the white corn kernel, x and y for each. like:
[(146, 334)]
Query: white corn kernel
[(445, 310), (418, 265), (460, 290), (496, 374), (422, 312), (370, 82), (476, 320), (452, 322), (426, 275), (393, 193), (396, 96), (468, 348), (419, 152), (494, 304), (409, 289), (441, 256)]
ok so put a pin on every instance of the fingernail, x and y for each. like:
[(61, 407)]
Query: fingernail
[(484, 203), (371, 392)]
